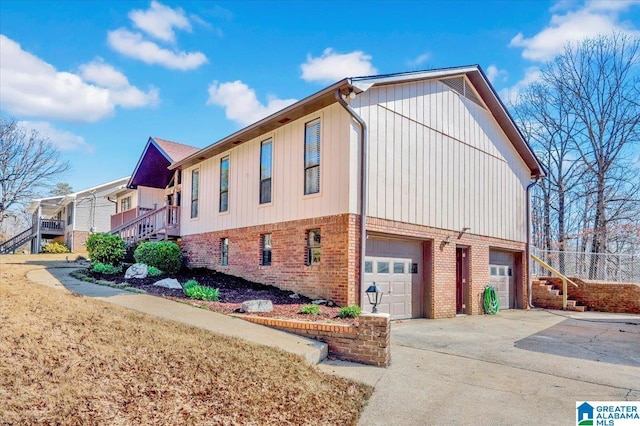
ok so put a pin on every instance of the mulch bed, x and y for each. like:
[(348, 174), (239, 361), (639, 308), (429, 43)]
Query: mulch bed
[(233, 291)]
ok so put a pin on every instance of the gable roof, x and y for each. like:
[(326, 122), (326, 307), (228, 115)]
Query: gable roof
[(60, 200), (152, 168), (328, 96)]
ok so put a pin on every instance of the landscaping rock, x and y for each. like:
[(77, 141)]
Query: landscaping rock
[(137, 270), (257, 306), (319, 302), (294, 296), (169, 283)]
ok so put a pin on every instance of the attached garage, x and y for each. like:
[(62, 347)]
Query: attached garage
[(501, 277), (396, 267)]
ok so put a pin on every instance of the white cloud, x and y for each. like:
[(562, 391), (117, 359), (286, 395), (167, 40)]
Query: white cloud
[(159, 21), (494, 74), (62, 139), (34, 88), (419, 60), (511, 94), (241, 103), (332, 66), (135, 46), (593, 18)]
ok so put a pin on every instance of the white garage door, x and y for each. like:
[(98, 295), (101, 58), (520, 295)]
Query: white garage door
[(395, 266), (501, 277)]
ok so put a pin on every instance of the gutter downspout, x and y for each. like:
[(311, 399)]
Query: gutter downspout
[(528, 249), (363, 185)]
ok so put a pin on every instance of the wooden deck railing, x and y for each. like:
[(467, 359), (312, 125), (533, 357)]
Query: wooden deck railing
[(127, 216), (564, 279), (165, 220), (52, 226)]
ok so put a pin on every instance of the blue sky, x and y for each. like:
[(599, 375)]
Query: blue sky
[(99, 77)]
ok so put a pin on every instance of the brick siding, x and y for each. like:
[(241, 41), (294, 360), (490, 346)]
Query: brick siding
[(367, 343), (334, 278), (337, 276)]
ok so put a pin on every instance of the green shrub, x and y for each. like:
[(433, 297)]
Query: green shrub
[(310, 309), (196, 291), (55, 247), (105, 248), (164, 255), (152, 271), (105, 268), (351, 311), (189, 284)]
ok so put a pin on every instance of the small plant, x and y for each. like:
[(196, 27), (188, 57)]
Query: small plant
[(189, 284), (105, 248), (152, 271), (196, 291), (164, 255), (105, 268), (310, 309), (55, 247), (351, 311)]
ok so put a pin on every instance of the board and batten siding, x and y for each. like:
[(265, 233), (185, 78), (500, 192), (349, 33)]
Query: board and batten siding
[(288, 201), (148, 197), (438, 159)]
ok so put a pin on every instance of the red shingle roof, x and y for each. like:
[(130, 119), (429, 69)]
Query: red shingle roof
[(177, 151)]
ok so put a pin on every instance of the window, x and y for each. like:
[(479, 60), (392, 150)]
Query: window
[(368, 267), (312, 157), (224, 251), (313, 247), (224, 184), (195, 189), (125, 204), (383, 267), (398, 268), (265, 249), (69, 213), (265, 171)]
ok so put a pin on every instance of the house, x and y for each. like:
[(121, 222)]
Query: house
[(148, 207), (71, 218), (416, 182)]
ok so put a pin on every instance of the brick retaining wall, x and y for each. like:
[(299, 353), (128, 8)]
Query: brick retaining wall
[(367, 343), (601, 296)]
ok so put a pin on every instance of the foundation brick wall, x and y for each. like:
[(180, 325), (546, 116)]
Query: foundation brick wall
[(441, 299), (335, 278), (367, 343), (601, 296), (79, 237)]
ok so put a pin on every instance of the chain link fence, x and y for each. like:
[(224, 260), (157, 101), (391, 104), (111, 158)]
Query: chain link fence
[(620, 268)]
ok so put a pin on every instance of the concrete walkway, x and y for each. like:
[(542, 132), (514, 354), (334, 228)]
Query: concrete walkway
[(312, 351)]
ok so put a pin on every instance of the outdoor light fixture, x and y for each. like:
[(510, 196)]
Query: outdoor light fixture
[(447, 240), (375, 297)]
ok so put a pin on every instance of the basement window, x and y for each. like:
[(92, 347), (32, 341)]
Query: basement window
[(265, 250), (313, 247), (224, 252)]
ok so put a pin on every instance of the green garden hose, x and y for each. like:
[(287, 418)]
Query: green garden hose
[(491, 302)]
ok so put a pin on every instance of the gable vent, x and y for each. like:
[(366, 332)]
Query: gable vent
[(460, 85)]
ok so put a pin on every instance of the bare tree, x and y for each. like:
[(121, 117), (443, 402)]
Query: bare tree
[(28, 163), (583, 118)]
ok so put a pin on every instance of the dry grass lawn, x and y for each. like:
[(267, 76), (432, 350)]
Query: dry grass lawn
[(65, 359)]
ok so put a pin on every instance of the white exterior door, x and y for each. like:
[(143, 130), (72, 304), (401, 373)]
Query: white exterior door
[(500, 280), (395, 266)]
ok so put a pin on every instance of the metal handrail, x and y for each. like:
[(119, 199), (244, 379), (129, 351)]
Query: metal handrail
[(564, 279)]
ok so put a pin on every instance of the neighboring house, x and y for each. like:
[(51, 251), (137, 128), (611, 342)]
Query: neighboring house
[(148, 207), (432, 158), (71, 218)]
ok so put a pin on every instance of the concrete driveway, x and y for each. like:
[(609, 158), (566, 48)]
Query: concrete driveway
[(518, 367)]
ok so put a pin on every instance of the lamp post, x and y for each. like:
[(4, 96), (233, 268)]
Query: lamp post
[(375, 297)]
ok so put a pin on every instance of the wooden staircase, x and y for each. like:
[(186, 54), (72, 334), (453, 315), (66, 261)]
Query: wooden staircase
[(155, 225), (17, 241), (546, 295)]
